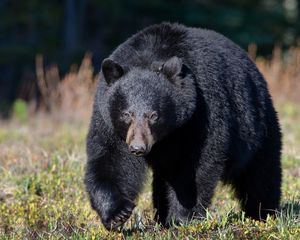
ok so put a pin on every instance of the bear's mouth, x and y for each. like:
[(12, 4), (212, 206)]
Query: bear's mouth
[(139, 154)]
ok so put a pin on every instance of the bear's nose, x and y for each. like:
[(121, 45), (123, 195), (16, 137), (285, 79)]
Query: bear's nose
[(137, 150)]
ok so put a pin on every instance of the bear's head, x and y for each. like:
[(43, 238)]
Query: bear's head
[(146, 104)]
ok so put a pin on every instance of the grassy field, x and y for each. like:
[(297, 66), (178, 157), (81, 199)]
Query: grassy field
[(42, 193)]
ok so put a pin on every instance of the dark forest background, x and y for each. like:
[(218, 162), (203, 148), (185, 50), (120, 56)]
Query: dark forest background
[(63, 31)]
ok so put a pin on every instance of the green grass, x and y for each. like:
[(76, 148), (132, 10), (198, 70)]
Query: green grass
[(42, 193)]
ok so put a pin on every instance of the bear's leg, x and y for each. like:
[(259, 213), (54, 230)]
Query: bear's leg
[(173, 202), (178, 201), (113, 181), (160, 201), (258, 187), (182, 199)]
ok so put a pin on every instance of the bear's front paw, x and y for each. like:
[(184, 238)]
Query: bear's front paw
[(118, 215)]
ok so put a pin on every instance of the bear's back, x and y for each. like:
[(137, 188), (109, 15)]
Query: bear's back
[(154, 43), (162, 41)]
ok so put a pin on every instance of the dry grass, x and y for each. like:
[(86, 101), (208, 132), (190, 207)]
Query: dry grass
[(282, 72), (71, 96)]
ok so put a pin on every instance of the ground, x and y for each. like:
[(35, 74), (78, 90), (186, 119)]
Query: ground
[(42, 193)]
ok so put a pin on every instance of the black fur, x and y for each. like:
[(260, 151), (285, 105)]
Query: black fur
[(216, 122)]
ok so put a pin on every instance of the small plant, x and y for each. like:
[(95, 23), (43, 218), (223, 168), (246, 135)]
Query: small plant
[(20, 110)]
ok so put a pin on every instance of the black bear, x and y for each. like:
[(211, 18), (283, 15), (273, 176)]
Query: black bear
[(190, 104)]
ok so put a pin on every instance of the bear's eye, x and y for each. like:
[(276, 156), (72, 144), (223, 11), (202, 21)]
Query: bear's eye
[(153, 117), (126, 117)]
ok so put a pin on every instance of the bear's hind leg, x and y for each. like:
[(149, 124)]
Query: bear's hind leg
[(258, 186)]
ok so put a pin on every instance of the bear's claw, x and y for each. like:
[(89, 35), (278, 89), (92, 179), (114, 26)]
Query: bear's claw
[(119, 219)]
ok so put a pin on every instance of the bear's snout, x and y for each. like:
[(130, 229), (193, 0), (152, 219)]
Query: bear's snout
[(139, 139), (138, 150)]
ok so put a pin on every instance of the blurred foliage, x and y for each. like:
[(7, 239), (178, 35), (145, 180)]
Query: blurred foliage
[(63, 30), (20, 110), (32, 26)]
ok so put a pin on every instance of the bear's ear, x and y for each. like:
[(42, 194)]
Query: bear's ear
[(175, 70), (172, 67), (111, 70)]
